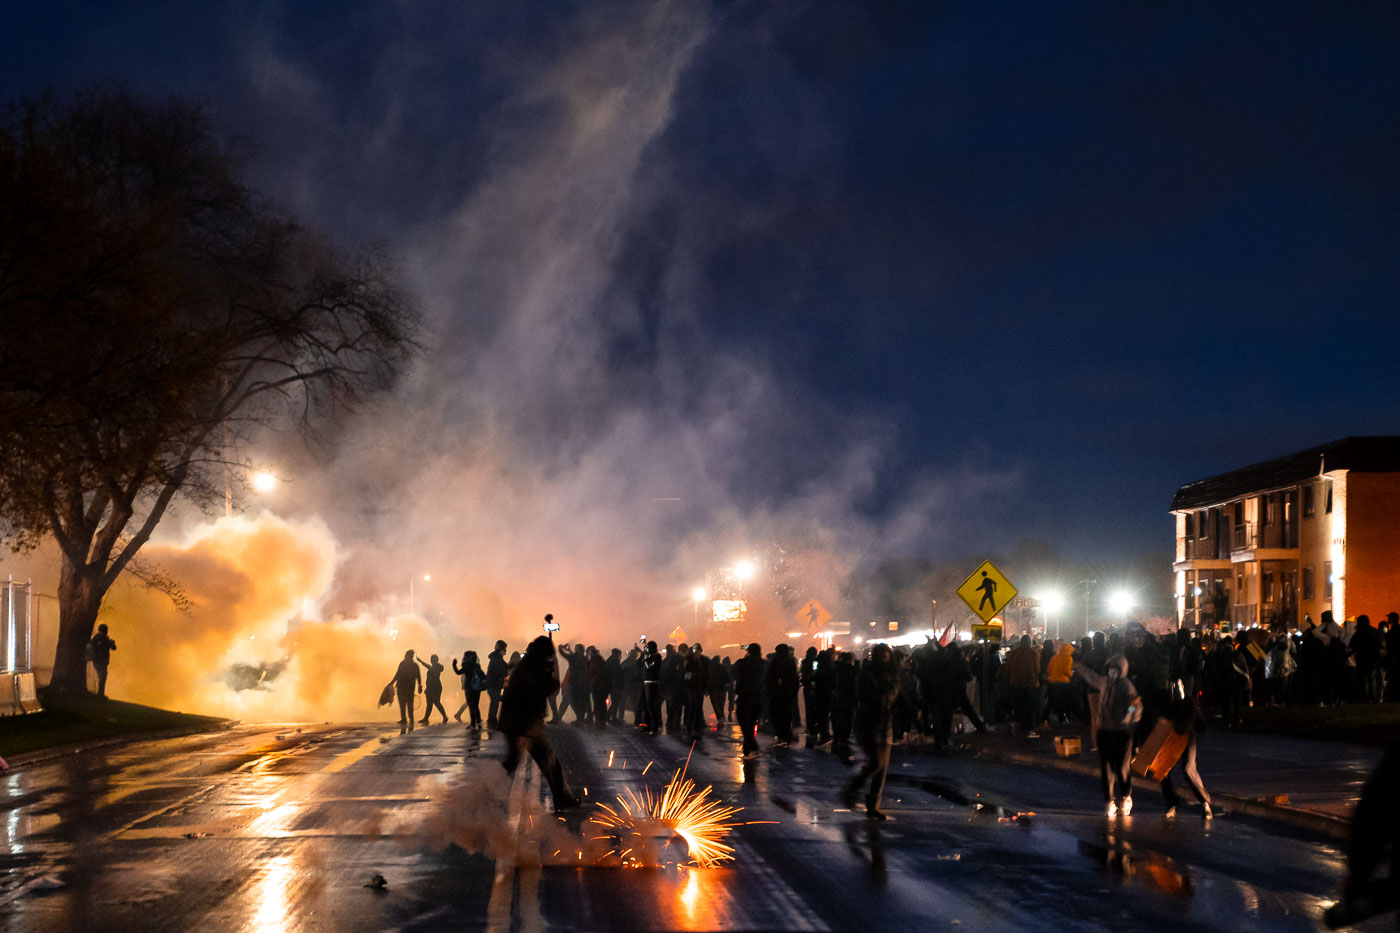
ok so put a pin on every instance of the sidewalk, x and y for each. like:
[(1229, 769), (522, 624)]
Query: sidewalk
[(1304, 783)]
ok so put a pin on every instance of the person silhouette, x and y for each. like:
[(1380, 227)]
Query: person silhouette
[(988, 586)]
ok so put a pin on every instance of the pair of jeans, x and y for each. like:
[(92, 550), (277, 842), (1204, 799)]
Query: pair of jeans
[(533, 741), (748, 709), (1115, 763)]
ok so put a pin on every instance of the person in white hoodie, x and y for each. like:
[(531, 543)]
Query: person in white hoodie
[(1120, 709)]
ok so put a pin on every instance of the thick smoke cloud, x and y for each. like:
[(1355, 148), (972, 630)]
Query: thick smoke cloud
[(252, 642), (576, 439)]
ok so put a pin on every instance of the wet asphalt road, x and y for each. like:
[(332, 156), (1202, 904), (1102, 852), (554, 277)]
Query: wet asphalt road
[(271, 828)]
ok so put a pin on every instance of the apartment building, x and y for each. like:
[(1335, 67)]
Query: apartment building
[(1273, 542)]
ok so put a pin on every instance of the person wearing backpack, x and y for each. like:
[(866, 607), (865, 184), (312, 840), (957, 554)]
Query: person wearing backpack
[(473, 682), (1120, 710)]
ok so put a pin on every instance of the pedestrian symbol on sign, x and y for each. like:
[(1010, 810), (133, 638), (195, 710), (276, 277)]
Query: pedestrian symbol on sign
[(813, 615), (989, 590)]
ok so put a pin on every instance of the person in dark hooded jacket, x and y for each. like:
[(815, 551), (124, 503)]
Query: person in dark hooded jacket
[(523, 704), (749, 676), (1120, 709), (877, 689)]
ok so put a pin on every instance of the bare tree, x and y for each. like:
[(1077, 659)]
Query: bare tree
[(153, 310)]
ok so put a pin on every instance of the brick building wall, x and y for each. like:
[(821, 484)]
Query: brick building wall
[(1372, 573)]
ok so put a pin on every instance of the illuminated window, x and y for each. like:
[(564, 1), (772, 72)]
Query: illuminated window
[(1309, 500), (1327, 579)]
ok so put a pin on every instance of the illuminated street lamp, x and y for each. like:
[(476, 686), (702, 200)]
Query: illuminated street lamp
[(412, 602), (264, 481), (1052, 601), (699, 594), (744, 570), (1121, 602)]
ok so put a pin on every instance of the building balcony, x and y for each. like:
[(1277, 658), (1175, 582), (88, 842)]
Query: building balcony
[(1203, 563)]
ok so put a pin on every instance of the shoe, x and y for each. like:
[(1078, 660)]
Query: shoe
[(875, 814), (848, 798), (567, 802), (1112, 809), (1170, 814), (1032, 735), (751, 756), (1126, 806), (1206, 812), (456, 716), (424, 722)]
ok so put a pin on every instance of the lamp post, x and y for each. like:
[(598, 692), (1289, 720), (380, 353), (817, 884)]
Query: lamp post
[(412, 603), (1052, 602), (699, 594)]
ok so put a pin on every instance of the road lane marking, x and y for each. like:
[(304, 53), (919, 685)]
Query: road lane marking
[(346, 759), (498, 909)]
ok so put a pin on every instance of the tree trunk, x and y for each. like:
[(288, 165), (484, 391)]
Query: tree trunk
[(80, 594)]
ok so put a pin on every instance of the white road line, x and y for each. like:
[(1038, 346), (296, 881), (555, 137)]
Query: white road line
[(498, 910)]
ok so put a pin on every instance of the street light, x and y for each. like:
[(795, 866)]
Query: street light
[(264, 481), (699, 594), (1121, 602), (1052, 601), (744, 570), (412, 603)]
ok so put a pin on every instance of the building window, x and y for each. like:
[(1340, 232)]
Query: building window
[(1309, 500), (1327, 579), (1202, 526), (1308, 583), (1190, 524), (1327, 489)]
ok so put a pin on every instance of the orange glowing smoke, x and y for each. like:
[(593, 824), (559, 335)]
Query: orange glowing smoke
[(680, 809), (256, 585)]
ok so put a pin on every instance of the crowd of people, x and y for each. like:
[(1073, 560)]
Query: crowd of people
[(1111, 687)]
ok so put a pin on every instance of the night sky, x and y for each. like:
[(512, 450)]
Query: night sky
[(1015, 270)]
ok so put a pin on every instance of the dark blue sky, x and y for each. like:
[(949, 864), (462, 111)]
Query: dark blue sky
[(1063, 257)]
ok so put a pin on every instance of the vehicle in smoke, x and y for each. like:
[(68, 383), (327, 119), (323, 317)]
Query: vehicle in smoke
[(240, 677)]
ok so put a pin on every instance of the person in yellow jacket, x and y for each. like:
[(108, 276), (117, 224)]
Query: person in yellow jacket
[(1061, 671)]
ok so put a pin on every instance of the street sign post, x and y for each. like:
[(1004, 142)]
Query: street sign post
[(986, 593)]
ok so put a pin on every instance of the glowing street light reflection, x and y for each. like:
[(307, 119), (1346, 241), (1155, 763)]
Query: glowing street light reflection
[(1121, 602)]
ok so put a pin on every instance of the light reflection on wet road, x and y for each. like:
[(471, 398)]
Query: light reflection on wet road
[(283, 827)]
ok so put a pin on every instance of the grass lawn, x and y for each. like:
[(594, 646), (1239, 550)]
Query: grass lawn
[(1359, 723), (67, 719)]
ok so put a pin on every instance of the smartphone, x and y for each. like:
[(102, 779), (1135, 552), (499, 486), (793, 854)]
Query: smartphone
[(551, 626)]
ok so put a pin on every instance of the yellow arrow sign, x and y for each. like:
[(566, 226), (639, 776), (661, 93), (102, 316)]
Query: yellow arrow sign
[(813, 615), (987, 591)]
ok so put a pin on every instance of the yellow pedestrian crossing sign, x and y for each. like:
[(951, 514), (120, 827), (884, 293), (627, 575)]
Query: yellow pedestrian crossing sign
[(813, 616), (987, 591)]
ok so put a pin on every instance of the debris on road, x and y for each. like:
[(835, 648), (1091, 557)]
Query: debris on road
[(377, 882)]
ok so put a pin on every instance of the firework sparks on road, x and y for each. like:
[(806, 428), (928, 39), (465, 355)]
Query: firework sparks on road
[(680, 810)]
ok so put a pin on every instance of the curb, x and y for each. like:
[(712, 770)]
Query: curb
[(1321, 823), (59, 751)]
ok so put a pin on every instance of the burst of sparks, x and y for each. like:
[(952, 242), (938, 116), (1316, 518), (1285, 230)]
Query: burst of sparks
[(689, 812)]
